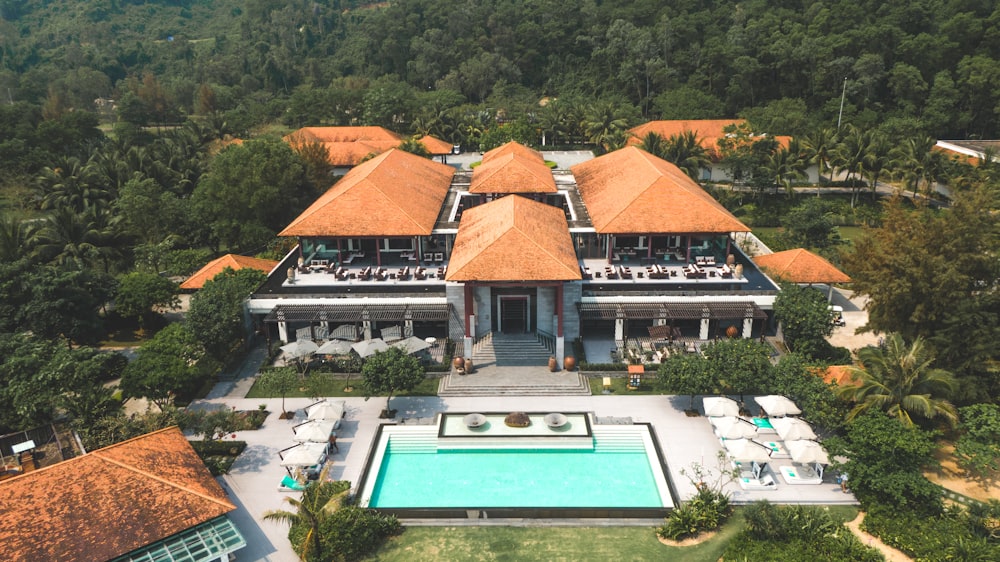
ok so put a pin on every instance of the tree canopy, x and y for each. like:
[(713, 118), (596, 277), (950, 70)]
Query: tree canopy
[(215, 316), (390, 371)]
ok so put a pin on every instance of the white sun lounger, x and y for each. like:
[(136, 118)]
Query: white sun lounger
[(800, 474)]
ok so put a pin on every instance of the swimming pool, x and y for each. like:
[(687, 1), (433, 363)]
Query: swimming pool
[(617, 472)]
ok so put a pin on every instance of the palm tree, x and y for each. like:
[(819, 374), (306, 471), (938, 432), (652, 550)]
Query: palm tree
[(849, 155), (318, 501), (913, 161), (72, 183), (821, 145), (685, 151), (876, 161), (604, 125), (653, 143), (15, 238), (899, 380), (783, 166)]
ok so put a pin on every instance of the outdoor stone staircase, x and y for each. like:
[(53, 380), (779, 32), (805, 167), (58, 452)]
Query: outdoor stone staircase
[(512, 365)]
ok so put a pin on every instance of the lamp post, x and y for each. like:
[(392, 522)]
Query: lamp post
[(843, 93)]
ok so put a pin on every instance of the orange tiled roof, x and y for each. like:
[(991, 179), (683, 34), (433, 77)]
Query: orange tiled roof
[(217, 265), (630, 191), (393, 194), (840, 375), (513, 147), (709, 131), (801, 266), (109, 502), (512, 173), (347, 146), (513, 239)]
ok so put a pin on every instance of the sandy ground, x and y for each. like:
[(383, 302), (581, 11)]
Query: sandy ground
[(855, 316), (953, 478), (890, 553)]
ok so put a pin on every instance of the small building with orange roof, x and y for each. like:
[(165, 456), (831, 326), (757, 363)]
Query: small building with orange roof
[(218, 265), (148, 498), (349, 146), (803, 267), (604, 250), (708, 132)]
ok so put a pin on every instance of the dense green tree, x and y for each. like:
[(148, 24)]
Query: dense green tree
[(978, 448), (64, 304), (687, 102), (742, 366), (900, 380), (388, 372), (280, 381), (215, 315), (886, 459), (809, 225), (306, 521), (251, 191), (140, 292), (804, 317), (932, 274), (164, 367), (682, 373)]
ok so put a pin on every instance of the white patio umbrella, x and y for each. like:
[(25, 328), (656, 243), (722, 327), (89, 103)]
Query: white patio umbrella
[(411, 344), (326, 411), (732, 427), (334, 347), (747, 450), (370, 347), (314, 431), (347, 332), (806, 451), (716, 406), (300, 349), (312, 333), (791, 429), (305, 454), (775, 405)]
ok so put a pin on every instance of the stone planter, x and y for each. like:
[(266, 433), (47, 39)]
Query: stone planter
[(569, 363), (459, 363), (553, 365)]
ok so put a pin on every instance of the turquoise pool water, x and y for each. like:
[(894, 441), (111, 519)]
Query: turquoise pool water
[(514, 478)]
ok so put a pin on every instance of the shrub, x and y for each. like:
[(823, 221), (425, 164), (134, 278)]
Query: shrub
[(705, 512), (795, 533), (949, 536), (352, 532)]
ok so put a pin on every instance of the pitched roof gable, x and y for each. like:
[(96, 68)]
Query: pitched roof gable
[(393, 194), (348, 146), (216, 266), (513, 147), (512, 173), (630, 191), (513, 239), (109, 502), (801, 266)]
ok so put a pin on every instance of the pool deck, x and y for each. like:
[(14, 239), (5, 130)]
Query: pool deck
[(253, 480)]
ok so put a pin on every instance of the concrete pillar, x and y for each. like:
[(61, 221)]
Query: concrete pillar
[(703, 332), (560, 351), (661, 322), (366, 327), (619, 329), (283, 331), (407, 328), (747, 328)]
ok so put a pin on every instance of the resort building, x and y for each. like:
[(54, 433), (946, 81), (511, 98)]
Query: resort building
[(621, 247), (708, 132), (347, 147), (148, 498)]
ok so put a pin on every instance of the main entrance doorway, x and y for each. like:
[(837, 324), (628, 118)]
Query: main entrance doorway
[(514, 315)]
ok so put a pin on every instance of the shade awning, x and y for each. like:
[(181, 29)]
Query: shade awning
[(306, 454), (314, 431), (671, 311), (717, 406), (338, 313), (775, 405)]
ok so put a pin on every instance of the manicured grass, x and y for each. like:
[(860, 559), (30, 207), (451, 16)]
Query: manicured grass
[(847, 233), (335, 387), (418, 544)]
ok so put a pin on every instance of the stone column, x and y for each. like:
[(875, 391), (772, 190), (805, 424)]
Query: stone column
[(283, 331), (703, 332), (747, 328), (619, 329)]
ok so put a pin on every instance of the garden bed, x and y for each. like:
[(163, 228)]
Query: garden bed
[(218, 456)]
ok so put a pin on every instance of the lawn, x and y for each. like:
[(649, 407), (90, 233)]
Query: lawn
[(418, 544), (847, 233), (618, 385), (547, 543), (334, 386)]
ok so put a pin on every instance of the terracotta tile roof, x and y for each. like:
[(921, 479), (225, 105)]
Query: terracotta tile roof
[(513, 147), (801, 266), (840, 375), (108, 502), (347, 146), (709, 131), (512, 173), (630, 191), (217, 265), (393, 194), (513, 239)]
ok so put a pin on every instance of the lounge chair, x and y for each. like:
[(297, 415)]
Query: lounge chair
[(289, 484), (798, 474)]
